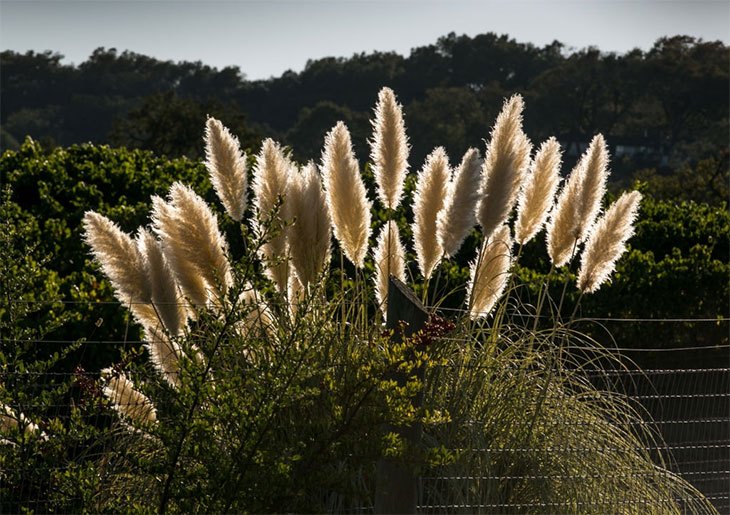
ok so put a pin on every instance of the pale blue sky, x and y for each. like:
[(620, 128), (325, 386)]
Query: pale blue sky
[(266, 38)]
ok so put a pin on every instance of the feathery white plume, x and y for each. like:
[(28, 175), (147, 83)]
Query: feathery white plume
[(538, 193), (431, 189), (607, 242), (193, 244), (226, 165), (505, 165), (119, 257), (389, 260), (457, 217), (311, 231), (389, 149), (578, 203), (130, 403), (270, 187), (346, 195), (488, 274)]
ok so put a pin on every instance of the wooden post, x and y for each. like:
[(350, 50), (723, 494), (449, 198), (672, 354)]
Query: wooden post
[(396, 486)]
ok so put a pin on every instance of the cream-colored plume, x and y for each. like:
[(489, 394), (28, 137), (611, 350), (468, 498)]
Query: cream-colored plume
[(126, 267), (389, 260), (578, 203), (538, 193), (457, 217), (346, 195), (120, 259), (193, 245), (431, 188), (10, 420), (389, 149), (311, 231), (169, 305), (258, 315), (164, 353), (607, 242), (130, 403), (270, 185), (505, 166), (489, 273), (226, 165)]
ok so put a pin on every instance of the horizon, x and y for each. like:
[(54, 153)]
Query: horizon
[(276, 36)]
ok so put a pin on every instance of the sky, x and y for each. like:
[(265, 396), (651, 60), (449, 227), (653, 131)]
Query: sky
[(266, 38)]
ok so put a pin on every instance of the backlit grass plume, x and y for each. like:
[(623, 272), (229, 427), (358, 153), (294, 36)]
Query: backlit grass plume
[(169, 305), (226, 165), (457, 217), (120, 259), (389, 149), (489, 272), (194, 246), (311, 231), (505, 165), (270, 185), (431, 189), (578, 203), (538, 193), (346, 195), (133, 405), (389, 260), (607, 242)]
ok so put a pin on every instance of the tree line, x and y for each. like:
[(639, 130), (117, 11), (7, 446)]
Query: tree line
[(663, 109)]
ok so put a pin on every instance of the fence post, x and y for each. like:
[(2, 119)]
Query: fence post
[(396, 485)]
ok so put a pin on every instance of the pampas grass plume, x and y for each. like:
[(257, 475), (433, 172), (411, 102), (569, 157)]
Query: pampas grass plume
[(389, 148), (538, 194), (578, 203), (488, 274), (130, 403), (431, 189), (270, 186), (607, 242), (193, 244), (226, 165), (505, 166), (389, 260), (168, 305), (457, 217), (346, 195), (164, 353), (119, 257), (310, 235)]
